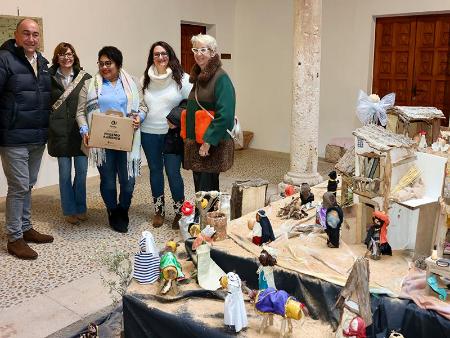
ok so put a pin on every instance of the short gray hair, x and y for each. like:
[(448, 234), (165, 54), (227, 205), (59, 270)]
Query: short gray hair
[(205, 39)]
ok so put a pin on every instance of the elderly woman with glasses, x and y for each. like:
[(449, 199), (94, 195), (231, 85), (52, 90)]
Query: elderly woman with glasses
[(113, 89), (165, 85), (209, 148), (64, 140)]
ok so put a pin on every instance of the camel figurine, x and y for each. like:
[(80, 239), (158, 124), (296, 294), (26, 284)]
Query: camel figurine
[(270, 302)]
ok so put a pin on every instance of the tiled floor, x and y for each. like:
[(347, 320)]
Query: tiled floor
[(62, 285)]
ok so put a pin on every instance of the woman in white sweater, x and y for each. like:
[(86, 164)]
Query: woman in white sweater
[(164, 86)]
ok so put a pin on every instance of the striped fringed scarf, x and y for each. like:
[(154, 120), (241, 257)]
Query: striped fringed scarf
[(97, 155)]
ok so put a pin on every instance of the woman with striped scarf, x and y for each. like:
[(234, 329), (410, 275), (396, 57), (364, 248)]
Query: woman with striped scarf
[(113, 89)]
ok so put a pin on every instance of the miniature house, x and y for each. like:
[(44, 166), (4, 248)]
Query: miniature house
[(377, 152), (409, 121), (382, 159)]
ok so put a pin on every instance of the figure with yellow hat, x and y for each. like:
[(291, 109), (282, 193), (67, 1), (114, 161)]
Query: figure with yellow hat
[(235, 314), (170, 269)]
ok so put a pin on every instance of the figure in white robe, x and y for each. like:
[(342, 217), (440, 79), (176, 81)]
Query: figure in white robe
[(234, 313)]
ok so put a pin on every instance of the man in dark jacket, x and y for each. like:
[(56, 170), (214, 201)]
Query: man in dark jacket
[(24, 114)]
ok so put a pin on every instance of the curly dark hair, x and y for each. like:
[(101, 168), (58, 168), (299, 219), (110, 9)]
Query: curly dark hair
[(112, 53), (62, 48), (174, 64)]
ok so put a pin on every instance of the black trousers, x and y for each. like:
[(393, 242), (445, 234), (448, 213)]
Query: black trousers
[(206, 181)]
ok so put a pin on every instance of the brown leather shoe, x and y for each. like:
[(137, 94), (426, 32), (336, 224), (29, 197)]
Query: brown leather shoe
[(72, 219), (158, 220), (82, 217), (20, 249), (175, 224), (36, 237)]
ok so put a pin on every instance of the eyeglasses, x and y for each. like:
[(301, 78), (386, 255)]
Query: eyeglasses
[(200, 51), (66, 55), (161, 54), (106, 64)]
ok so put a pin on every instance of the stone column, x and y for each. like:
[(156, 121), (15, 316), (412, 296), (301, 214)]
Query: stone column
[(306, 94)]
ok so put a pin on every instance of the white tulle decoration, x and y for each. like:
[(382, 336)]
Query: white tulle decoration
[(370, 109)]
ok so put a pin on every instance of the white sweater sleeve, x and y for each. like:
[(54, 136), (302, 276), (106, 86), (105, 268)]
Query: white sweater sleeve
[(186, 86)]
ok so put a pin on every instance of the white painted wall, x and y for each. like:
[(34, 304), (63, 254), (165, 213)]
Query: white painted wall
[(348, 30), (258, 34), (263, 70), (131, 25)]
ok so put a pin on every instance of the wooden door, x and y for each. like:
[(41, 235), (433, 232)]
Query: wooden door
[(187, 57), (394, 58), (431, 66), (412, 60)]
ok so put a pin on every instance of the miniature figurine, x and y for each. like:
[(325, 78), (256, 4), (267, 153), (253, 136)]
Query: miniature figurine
[(332, 182), (92, 331), (370, 109), (208, 272), (205, 236), (205, 201), (376, 239), (146, 262), (328, 201), (234, 312), (262, 231), (267, 259), (334, 218), (356, 328), (305, 194), (170, 269), (423, 140), (187, 218), (289, 190), (271, 302)]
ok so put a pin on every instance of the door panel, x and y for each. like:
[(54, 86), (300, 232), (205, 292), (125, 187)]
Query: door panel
[(431, 75), (412, 59), (394, 58), (187, 57)]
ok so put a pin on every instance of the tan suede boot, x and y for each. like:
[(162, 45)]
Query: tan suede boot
[(158, 218), (36, 237), (72, 219), (82, 217), (20, 249)]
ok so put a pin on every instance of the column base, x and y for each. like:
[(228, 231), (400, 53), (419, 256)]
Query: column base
[(297, 179)]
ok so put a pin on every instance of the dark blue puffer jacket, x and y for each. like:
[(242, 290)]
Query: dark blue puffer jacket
[(24, 98)]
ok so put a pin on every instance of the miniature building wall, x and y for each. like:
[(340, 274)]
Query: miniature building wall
[(410, 120), (370, 166), (376, 151)]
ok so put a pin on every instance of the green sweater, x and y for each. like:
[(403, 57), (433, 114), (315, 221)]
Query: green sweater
[(216, 95)]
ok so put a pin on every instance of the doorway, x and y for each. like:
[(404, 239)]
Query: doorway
[(412, 59), (187, 57)]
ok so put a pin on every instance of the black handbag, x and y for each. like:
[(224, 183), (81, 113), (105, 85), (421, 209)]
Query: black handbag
[(220, 158)]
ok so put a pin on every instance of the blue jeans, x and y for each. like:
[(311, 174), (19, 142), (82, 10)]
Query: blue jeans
[(21, 167), (73, 196), (153, 145), (115, 165)]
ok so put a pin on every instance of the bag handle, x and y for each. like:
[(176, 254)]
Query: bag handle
[(207, 112), (196, 99)]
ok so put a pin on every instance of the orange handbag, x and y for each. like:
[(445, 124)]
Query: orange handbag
[(202, 120), (183, 124)]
